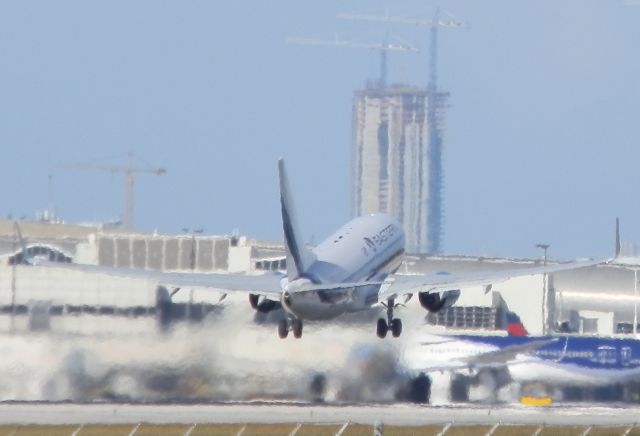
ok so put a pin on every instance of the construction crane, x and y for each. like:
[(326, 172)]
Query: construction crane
[(433, 24), (383, 47), (435, 104), (130, 171)]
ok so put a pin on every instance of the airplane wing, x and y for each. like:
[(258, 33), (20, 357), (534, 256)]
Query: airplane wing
[(405, 285), (264, 284), (399, 285), (506, 354), (269, 284), (492, 359)]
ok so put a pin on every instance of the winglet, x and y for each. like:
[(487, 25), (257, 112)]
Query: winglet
[(618, 247), (299, 258)]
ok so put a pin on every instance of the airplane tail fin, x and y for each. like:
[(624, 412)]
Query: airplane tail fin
[(515, 326), (21, 240), (299, 257), (22, 258)]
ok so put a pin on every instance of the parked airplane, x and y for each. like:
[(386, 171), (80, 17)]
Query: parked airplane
[(350, 271), (553, 361)]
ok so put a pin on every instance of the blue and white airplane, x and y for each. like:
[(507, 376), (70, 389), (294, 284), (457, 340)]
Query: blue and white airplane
[(568, 360), (352, 270), (554, 361)]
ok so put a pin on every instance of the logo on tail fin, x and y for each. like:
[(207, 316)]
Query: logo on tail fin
[(515, 326)]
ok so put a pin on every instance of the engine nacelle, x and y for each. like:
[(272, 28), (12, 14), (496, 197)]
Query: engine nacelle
[(263, 305), (436, 301)]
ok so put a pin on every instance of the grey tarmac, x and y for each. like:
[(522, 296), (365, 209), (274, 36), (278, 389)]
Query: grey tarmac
[(275, 413)]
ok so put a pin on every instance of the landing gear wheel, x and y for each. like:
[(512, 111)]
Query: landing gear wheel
[(383, 328), (459, 389), (283, 329), (396, 327), (297, 328)]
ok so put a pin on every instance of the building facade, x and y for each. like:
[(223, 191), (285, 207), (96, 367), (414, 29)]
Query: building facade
[(391, 161)]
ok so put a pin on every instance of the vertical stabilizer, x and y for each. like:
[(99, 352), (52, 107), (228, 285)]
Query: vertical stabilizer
[(515, 327), (25, 258), (299, 257), (21, 240)]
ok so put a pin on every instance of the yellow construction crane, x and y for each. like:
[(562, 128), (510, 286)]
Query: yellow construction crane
[(129, 170)]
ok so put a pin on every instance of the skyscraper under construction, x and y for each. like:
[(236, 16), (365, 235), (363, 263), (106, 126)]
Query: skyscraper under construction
[(396, 159)]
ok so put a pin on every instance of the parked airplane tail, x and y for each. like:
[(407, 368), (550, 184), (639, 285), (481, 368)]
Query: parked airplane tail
[(515, 326), (299, 257), (23, 257), (21, 240)]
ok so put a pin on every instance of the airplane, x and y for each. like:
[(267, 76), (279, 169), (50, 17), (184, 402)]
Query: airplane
[(498, 359), (352, 270)]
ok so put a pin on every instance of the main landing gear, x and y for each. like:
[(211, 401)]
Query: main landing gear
[(295, 325), (391, 323)]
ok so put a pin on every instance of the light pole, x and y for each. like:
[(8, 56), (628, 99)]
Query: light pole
[(192, 262), (545, 247), (545, 281), (192, 255), (635, 301), (13, 277)]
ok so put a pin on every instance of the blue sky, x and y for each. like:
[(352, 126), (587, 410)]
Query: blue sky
[(542, 141)]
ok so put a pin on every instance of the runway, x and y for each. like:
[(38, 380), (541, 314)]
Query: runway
[(274, 413)]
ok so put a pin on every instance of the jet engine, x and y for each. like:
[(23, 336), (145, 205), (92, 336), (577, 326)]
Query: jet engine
[(262, 304), (436, 301)]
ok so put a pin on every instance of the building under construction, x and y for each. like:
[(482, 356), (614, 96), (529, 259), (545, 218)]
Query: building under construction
[(396, 159), (397, 144)]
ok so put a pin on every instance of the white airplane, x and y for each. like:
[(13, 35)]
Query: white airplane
[(352, 270)]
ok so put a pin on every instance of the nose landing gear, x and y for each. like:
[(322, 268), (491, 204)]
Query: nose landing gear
[(391, 323)]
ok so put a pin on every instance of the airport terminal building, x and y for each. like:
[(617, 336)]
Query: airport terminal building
[(598, 300)]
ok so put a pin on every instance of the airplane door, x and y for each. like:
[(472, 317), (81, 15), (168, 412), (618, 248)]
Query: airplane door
[(625, 356)]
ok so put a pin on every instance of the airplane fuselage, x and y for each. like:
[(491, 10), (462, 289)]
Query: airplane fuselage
[(367, 248), (565, 360)]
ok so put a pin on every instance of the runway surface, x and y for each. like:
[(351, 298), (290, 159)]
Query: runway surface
[(268, 413)]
